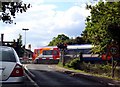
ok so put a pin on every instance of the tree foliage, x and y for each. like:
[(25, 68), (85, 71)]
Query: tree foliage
[(19, 46), (20, 40), (103, 25), (65, 39), (59, 39), (78, 40), (9, 10)]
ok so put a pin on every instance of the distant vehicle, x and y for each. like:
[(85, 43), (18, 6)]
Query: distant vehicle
[(86, 50), (73, 51), (49, 53), (11, 70)]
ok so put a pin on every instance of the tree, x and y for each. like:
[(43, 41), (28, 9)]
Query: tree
[(20, 40), (103, 26), (78, 40), (10, 8), (59, 39), (65, 39), (19, 46)]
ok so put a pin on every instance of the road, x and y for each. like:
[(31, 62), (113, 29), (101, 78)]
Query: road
[(46, 76)]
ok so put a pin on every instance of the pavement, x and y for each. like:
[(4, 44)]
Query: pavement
[(102, 80)]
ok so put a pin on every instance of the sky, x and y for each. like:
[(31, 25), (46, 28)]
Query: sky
[(47, 19)]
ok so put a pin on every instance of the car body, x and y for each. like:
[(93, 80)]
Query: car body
[(11, 70)]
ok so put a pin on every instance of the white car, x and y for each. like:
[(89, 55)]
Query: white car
[(11, 70)]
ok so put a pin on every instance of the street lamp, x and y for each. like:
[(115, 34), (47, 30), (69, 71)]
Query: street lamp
[(25, 34)]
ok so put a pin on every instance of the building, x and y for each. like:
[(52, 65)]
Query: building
[(21, 51)]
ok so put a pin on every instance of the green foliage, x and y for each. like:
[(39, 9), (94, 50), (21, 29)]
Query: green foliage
[(103, 25), (65, 39), (96, 69), (59, 39), (75, 63), (10, 8), (18, 47), (20, 40), (99, 69), (21, 50), (78, 40)]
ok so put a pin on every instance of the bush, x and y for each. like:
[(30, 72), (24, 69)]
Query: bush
[(75, 63), (96, 68)]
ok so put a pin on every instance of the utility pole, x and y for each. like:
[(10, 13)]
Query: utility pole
[(25, 34), (62, 47), (2, 37)]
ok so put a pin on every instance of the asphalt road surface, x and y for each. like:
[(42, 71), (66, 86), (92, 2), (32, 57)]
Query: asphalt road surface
[(46, 76)]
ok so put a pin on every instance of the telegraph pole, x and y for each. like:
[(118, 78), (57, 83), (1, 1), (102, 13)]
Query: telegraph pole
[(2, 37), (62, 47), (25, 34)]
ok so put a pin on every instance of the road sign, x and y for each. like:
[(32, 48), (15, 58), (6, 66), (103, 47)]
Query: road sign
[(114, 50)]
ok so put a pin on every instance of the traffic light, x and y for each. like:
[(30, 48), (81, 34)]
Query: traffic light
[(62, 46)]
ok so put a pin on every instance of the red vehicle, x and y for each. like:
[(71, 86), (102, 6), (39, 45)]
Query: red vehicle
[(46, 53)]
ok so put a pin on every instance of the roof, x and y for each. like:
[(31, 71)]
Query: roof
[(71, 46), (28, 50), (86, 46), (5, 47)]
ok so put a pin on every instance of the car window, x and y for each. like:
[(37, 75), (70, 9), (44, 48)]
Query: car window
[(55, 52), (47, 52), (7, 55)]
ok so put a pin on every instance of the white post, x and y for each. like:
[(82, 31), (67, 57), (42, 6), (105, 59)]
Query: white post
[(25, 34)]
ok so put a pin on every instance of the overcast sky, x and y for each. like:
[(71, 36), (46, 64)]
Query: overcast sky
[(46, 19)]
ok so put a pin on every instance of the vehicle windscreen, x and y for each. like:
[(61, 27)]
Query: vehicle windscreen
[(55, 52), (47, 52), (7, 55)]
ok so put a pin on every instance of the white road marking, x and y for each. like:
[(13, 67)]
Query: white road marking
[(25, 66), (50, 67), (35, 84), (110, 84)]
